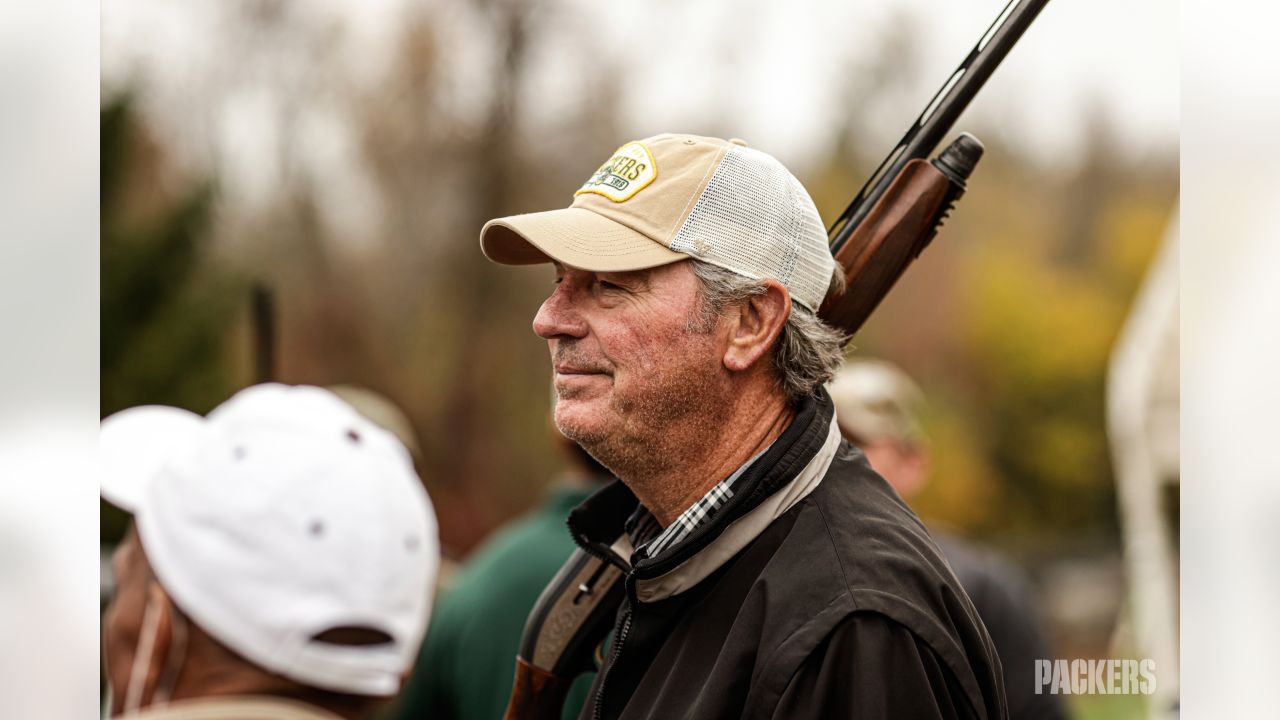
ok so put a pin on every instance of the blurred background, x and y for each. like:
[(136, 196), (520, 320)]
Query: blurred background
[(295, 190)]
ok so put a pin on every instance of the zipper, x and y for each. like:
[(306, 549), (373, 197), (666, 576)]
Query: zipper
[(623, 626), (620, 636)]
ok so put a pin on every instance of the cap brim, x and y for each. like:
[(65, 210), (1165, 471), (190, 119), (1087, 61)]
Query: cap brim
[(575, 237), (136, 443)]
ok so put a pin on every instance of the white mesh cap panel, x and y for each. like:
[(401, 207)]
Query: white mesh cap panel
[(754, 218)]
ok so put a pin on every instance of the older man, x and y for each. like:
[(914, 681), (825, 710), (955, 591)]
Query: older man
[(769, 572), (279, 566)]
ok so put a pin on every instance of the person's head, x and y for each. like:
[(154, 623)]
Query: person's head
[(688, 274), (877, 409), (283, 546)]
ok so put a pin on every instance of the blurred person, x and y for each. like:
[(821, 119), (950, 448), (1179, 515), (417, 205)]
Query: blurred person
[(278, 566), (467, 665), (769, 572), (381, 411), (878, 409)]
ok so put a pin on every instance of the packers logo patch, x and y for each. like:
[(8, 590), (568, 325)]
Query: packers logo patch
[(629, 171)]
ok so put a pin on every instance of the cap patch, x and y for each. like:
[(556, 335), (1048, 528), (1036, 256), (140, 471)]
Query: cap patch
[(629, 171)]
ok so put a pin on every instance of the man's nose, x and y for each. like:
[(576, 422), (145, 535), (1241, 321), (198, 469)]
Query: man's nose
[(559, 316)]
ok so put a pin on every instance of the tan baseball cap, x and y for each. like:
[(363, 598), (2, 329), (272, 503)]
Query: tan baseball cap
[(875, 401), (671, 197)]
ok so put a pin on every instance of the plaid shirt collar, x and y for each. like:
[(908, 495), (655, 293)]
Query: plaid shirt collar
[(650, 539)]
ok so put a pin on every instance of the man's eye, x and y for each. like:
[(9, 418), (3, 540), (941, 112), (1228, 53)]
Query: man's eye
[(610, 286)]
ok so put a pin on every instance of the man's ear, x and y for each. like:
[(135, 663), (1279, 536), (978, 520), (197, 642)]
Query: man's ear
[(755, 327)]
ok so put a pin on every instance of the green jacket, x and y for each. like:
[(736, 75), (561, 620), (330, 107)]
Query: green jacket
[(467, 664)]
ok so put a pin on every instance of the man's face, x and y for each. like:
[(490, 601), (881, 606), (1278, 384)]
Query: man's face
[(631, 358), (905, 468)]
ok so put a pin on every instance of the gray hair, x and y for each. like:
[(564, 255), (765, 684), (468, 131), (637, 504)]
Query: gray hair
[(807, 353)]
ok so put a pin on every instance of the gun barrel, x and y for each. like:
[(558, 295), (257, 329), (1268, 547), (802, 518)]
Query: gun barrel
[(941, 113)]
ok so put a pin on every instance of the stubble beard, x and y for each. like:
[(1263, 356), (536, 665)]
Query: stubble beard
[(666, 424)]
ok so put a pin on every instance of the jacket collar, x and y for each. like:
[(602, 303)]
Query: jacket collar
[(597, 524)]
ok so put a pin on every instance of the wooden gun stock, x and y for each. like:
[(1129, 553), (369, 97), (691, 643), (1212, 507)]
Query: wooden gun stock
[(897, 228), (537, 694), (571, 617)]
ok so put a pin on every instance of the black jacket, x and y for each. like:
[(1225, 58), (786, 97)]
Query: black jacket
[(813, 593), (1002, 595)]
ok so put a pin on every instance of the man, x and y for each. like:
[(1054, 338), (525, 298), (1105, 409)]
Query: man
[(878, 409), (769, 572), (279, 566), (468, 660)]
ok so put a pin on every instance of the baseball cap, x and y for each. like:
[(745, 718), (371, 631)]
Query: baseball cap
[(282, 515), (671, 197), (875, 401)]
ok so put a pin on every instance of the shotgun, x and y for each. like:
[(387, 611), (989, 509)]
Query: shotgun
[(901, 206), (887, 225)]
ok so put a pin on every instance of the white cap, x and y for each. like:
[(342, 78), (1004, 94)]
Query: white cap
[(282, 515), (672, 197)]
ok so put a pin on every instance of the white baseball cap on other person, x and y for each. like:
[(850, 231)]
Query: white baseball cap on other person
[(671, 197), (282, 515)]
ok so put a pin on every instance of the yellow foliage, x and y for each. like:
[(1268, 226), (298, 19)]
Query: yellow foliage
[(964, 491), (1036, 321), (1128, 234)]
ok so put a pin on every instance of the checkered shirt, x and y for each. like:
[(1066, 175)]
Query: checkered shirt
[(643, 526)]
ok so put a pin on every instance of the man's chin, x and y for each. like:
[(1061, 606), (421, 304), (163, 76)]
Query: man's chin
[(577, 420)]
